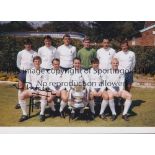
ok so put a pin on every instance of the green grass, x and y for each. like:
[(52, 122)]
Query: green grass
[(143, 110)]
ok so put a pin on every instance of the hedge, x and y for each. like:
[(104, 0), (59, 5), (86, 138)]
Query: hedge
[(10, 46)]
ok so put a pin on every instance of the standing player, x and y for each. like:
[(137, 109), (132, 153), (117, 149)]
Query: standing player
[(105, 55), (24, 63), (55, 80), (86, 54), (66, 53), (36, 81), (98, 87), (47, 53), (115, 84), (127, 63)]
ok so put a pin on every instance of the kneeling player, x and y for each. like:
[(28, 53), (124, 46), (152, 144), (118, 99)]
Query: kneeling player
[(34, 80), (55, 80), (115, 84), (97, 88)]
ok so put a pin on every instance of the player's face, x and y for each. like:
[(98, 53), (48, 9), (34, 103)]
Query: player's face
[(77, 64), (114, 64), (106, 43), (95, 65), (124, 47), (47, 42), (86, 44), (37, 64), (56, 64), (28, 47), (67, 41)]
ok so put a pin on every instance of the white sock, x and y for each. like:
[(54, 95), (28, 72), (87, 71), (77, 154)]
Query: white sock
[(19, 93), (62, 106), (127, 105), (23, 106), (92, 105), (43, 106), (51, 104), (112, 106), (103, 106)]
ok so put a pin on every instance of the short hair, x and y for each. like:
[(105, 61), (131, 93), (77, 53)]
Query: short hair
[(48, 37), (114, 59), (27, 42), (76, 58), (95, 60), (37, 58), (55, 59), (66, 35), (106, 39), (86, 39), (124, 42)]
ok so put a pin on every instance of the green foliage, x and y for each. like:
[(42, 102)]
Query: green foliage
[(63, 26), (145, 58), (97, 30), (10, 46), (16, 26), (119, 30)]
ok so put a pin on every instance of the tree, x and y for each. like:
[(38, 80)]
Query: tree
[(16, 26), (63, 26), (118, 30)]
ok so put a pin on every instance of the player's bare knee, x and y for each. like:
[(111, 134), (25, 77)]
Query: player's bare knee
[(91, 96), (129, 96), (43, 98), (105, 96), (110, 96), (49, 99), (22, 96), (64, 98)]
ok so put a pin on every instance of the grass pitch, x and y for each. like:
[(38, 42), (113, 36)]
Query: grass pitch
[(143, 110)]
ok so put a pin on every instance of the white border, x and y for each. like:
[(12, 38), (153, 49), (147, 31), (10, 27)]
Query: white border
[(77, 10), (73, 130)]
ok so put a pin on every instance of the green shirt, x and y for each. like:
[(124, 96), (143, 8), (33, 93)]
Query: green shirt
[(86, 55)]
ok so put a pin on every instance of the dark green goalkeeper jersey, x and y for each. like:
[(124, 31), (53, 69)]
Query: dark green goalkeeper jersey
[(86, 55)]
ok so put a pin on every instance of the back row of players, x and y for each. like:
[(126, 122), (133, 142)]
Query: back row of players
[(103, 65)]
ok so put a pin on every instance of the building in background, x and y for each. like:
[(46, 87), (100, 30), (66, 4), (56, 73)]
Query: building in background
[(145, 37)]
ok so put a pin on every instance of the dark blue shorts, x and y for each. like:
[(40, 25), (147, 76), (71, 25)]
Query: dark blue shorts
[(116, 88), (97, 89), (22, 76), (128, 78), (65, 69)]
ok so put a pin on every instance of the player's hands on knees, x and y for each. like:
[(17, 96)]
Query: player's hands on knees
[(57, 93), (95, 93), (116, 94), (37, 93), (54, 92), (119, 93), (99, 93)]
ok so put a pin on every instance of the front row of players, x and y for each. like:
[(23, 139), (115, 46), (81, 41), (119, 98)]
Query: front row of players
[(106, 85)]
